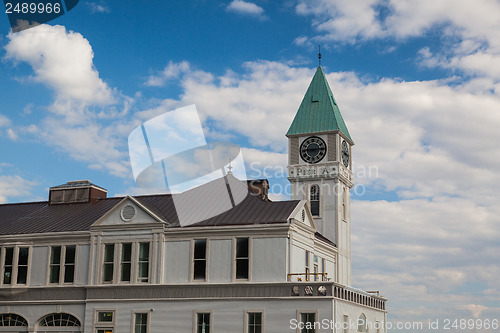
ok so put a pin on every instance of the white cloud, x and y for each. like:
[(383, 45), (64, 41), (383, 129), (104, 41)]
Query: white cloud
[(62, 60), (470, 30), (85, 120), (246, 8), (4, 121), (14, 186), (98, 7), (12, 134), (171, 71)]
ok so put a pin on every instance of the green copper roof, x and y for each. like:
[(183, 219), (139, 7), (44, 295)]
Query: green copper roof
[(318, 111)]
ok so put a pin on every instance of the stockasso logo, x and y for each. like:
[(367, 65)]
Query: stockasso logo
[(28, 14)]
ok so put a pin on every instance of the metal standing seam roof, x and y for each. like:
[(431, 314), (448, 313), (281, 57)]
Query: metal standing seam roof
[(40, 217), (318, 111)]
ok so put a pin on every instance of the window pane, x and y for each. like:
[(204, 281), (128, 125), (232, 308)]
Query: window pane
[(126, 262), (141, 322), (69, 273), (315, 208), (23, 256), (109, 252), (143, 272), (241, 247), (22, 265), (242, 268), (200, 248), (125, 275), (308, 320), (105, 316), (203, 323), (254, 322), (144, 252), (55, 255), (199, 269), (70, 254), (54, 274), (7, 274), (108, 273), (126, 252)]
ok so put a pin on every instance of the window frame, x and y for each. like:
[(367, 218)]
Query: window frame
[(307, 264), (346, 321), (235, 258), (193, 259), (130, 263), (104, 325), (148, 319), (104, 262), (317, 198), (137, 262), (299, 319), (195, 320), (262, 320), (62, 265), (15, 265)]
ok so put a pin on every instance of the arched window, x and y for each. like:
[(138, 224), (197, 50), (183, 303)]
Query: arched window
[(60, 320), (362, 323), (12, 319), (314, 200)]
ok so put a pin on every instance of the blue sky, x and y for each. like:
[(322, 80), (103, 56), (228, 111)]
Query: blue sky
[(416, 82)]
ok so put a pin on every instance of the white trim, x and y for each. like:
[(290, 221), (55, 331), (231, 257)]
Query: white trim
[(263, 319), (148, 319), (301, 311), (207, 256), (250, 256), (195, 319)]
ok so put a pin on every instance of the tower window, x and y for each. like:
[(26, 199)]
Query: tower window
[(314, 200)]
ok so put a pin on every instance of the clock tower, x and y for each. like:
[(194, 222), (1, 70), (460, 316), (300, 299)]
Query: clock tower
[(320, 168)]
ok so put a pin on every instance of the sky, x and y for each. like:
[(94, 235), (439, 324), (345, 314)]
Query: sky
[(417, 82)]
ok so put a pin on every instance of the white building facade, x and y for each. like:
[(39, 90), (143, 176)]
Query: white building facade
[(82, 262)]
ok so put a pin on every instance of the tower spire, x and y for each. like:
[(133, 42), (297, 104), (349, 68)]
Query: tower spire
[(319, 54)]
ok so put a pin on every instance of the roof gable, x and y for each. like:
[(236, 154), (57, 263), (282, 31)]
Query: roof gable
[(318, 111), (129, 211)]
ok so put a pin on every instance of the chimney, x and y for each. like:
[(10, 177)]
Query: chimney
[(259, 187), (78, 191)]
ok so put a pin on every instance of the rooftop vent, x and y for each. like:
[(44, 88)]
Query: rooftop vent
[(78, 191)]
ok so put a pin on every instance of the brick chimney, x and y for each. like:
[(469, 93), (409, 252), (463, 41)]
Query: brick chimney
[(259, 187), (78, 191)]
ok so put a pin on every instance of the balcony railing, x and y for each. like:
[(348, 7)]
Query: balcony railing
[(308, 277)]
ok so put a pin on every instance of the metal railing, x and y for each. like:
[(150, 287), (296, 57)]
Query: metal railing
[(307, 277)]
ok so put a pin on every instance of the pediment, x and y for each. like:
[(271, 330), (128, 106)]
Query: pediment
[(303, 215), (129, 211)]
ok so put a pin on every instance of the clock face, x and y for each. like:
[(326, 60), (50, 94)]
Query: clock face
[(345, 154), (313, 149)]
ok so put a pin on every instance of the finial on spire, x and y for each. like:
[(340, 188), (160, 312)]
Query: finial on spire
[(319, 54), (229, 168)]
